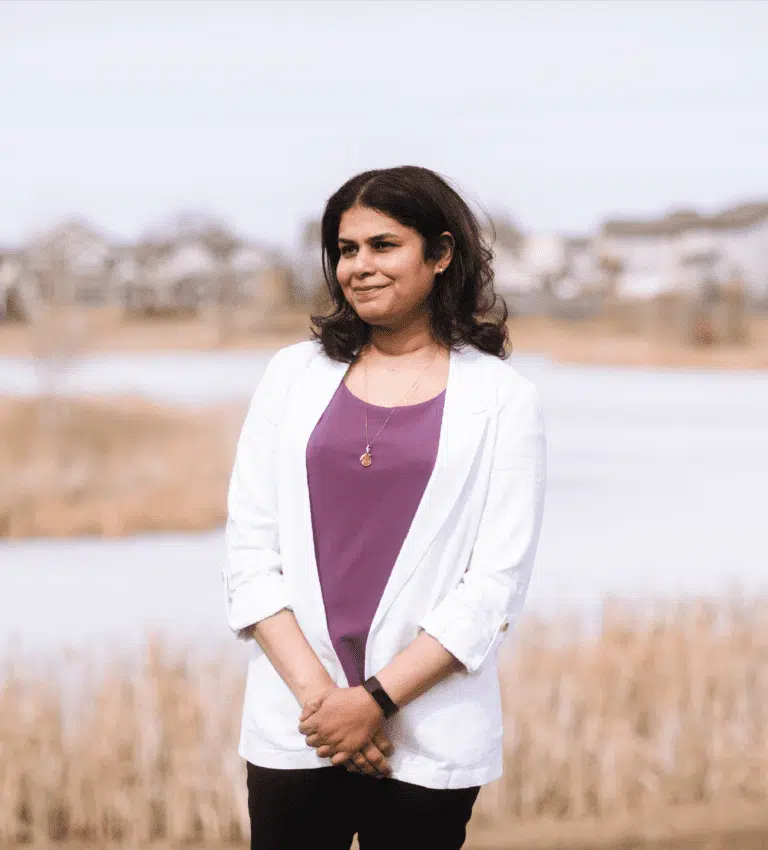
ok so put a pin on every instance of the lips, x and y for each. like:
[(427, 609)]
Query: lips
[(362, 290)]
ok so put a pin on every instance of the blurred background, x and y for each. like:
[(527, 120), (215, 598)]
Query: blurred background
[(163, 167)]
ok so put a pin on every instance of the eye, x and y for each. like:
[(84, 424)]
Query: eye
[(382, 245), (346, 250)]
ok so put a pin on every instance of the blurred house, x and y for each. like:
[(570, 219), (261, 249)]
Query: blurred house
[(685, 251), (185, 277), (690, 275), (174, 278), (549, 274), (189, 263), (582, 273), (512, 277)]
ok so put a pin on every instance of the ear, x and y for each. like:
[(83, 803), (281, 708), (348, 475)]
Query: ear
[(446, 250)]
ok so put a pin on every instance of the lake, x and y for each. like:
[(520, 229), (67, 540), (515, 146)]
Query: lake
[(657, 488)]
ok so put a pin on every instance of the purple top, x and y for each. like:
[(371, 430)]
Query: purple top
[(361, 515)]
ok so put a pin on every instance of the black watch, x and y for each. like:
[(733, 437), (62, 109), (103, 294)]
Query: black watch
[(373, 686)]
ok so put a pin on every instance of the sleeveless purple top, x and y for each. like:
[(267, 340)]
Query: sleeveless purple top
[(361, 515)]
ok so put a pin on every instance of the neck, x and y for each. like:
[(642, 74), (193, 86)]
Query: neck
[(408, 341)]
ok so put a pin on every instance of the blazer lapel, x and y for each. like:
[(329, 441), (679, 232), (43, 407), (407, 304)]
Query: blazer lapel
[(465, 419)]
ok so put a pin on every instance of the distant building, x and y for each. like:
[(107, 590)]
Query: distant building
[(581, 268), (512, 277), (550, 274), (682, 251)]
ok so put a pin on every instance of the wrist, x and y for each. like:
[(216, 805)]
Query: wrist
[(313, 689), (387, 706), (370, 704)]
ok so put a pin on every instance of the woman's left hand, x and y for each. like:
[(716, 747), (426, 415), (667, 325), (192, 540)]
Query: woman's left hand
[(340, 722)]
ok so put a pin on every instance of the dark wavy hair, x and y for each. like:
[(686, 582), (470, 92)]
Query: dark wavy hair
[(463, 307)]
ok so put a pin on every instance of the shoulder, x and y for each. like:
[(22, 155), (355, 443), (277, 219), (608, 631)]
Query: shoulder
[(505, 384), (289, 361), (294, 356), (281, 369)]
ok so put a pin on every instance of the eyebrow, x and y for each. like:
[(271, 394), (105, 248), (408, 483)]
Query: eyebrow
[(371, 239)]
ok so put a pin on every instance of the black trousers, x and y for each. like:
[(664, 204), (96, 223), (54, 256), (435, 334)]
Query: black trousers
[(322, 809)]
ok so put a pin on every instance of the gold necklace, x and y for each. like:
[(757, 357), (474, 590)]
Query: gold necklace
[(366, 459)]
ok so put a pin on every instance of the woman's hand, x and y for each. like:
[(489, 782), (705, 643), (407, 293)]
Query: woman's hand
[(343, 723)]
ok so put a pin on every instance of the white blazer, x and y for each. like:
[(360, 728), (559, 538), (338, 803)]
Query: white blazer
[(461, 575)]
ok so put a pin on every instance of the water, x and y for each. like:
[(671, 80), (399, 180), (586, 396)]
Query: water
[(657, 488)]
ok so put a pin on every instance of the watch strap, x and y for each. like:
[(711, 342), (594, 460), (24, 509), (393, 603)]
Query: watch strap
[(374, 688)]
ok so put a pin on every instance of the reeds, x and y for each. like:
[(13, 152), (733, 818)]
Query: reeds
[(654, 710), (666, 705), (112, 467), (122, 750)]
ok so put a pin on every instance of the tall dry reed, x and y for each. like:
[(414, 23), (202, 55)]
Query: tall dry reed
[(653, 710)]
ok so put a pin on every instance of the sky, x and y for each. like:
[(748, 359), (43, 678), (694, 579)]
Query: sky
[(557, 114)]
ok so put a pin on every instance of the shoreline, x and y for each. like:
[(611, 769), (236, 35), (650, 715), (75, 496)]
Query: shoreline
[(594, 342)]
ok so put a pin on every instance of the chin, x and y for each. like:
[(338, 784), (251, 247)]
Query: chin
[(372, 315)]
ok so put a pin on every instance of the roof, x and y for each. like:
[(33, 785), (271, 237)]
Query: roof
[(743, 215)]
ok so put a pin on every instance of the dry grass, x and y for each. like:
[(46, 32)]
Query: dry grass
[(654, 727), (112, 467)]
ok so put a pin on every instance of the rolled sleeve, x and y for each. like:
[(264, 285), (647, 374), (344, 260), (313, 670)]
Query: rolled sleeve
[(474, 617), (253, 579)]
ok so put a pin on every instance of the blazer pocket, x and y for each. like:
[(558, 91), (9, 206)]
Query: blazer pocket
[(453, 724), (271, 710)]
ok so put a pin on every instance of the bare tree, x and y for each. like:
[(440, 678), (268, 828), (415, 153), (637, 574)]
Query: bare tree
[(58, 333)]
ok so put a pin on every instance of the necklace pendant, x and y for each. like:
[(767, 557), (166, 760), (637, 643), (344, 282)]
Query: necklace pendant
[(365, 458)]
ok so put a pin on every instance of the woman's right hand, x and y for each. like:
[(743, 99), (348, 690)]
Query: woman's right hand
[(371, 758)]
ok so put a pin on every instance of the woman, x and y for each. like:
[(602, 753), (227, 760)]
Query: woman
[(384, 512)]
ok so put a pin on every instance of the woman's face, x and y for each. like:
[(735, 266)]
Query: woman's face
[(382, 270)]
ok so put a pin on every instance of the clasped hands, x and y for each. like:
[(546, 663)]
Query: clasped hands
[(344, 724)]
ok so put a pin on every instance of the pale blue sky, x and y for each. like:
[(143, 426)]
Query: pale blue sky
[(560, 113)]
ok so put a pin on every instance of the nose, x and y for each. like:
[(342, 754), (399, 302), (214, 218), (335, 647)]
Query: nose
[(363, 265)]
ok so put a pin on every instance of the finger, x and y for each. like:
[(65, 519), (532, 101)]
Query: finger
[(361, 761), (309, 708), (380, 738), (352, 767), (382, 742), (385, 748), (376, 758), (340, 758)]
